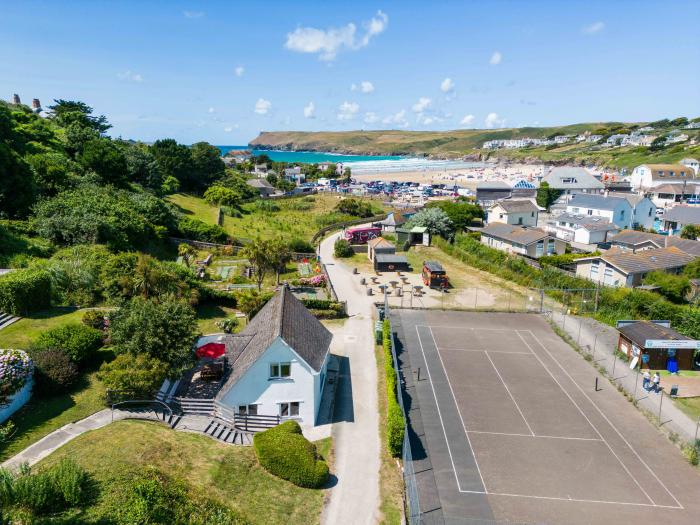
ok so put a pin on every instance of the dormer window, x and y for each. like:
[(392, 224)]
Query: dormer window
[(280, 370)]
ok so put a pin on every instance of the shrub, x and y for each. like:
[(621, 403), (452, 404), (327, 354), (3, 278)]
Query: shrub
[(197, 230), (55, 372), (139, 374), (94, 319), (16, 368), (25, 291), (75, 339), (228, 325), (395, 423), (342, 248), (286, 453), (301, 246)]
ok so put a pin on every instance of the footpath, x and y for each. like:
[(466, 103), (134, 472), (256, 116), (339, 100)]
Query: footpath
[(600, 341)]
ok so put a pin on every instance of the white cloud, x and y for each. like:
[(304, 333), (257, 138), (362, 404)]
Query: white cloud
[(310, 110), (193, 14), (130, 76), (595, 27), (210, 110), (492, 120), (447, 85), (262, 106), (328, 42), (496, 58), (371, 117), (365, 87), (348, 110), (398, 119), (422, 104), (228, 129), (239, 71), (467, 120)]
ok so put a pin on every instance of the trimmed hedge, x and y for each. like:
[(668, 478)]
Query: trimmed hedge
[(25, 291), (286, 453), (395, 422), (76, 340)]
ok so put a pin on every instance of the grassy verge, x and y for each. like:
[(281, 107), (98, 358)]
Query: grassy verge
[(21, 333), (690, 406), (209, 314), (195, 207), (228, 474), (390, 479)]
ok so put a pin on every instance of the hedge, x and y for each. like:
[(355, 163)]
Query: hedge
[(77, 341), (286, 453), (25, 291), (613, 303), (197, 230), (395, 423)]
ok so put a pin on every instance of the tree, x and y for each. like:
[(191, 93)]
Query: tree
[(679, 122), (187, 252), (67, 112), (17, 187), (207, 166), (691, 231), (657, 144), (174, 160), (164, 330), (279, 255), (546, 195), (104, 158), (251, 302), (221, 196), (355, 207), (139, 375), (76, 340), (53, 172), (342, 248), (461, 213), (259, 253), (674, 287), (347, 174), (142, 167), (434, 220)]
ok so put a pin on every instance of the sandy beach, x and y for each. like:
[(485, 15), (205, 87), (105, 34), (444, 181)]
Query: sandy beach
[(464, 177)]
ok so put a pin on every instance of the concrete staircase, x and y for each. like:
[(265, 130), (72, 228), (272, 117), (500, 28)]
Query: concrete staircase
[(7, 319), (225, 431)]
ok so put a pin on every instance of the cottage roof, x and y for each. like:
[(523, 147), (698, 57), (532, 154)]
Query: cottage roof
[(632, 198), (597, 202), (517, 206), (645, 260), (640, 331), (662, 171), (260, 184), (677, 189), (379, 242), (390, 258), (589, 222), (493, 185), (562, 178), (517, 234), (683, 214), (633, 238), (283, 316)]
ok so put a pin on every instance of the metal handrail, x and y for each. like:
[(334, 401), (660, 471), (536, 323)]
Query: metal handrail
[(170, 410)]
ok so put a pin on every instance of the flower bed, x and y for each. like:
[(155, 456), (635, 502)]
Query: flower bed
[(317, 281), (16, 369)]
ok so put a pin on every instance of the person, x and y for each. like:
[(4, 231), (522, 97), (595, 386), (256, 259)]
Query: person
[(646, 378), (656, 381)]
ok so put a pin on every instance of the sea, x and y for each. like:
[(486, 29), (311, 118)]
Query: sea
[(361, 163)]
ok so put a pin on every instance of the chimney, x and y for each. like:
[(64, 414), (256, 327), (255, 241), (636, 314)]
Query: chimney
[(36, 104), (15, 99)]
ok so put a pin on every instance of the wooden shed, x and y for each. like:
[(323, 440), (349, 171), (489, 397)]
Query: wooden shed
[(657, 345), (379, 245)]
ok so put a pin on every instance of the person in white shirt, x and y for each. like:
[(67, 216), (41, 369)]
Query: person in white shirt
[(646, 378), (656, 381)]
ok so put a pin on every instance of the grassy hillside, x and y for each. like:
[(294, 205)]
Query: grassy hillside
[(461, 143)]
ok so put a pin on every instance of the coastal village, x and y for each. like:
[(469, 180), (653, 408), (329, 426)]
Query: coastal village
[(299, 286)]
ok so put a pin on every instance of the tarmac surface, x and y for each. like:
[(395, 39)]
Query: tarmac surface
[(507, 427)]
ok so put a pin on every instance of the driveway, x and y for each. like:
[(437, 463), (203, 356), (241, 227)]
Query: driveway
[(355, 497)]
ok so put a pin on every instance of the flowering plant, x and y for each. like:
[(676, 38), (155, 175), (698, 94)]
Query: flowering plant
[(317, 281), (16, 368)]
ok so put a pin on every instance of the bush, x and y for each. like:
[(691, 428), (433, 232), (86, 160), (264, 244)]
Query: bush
[(25, 291), (395, 423), (228, 325), (301, 246), (342, 248), (197, 230), (286, 453), (75, 339), (55, 372), (139, 375), (94, 319)]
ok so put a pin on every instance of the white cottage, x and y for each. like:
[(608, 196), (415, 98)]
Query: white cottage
[(278, 363), (650, 175), (518, 212)]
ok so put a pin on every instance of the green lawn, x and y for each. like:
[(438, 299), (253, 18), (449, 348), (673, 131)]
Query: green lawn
[(228, 474), (689, 405), (21, 333), (209, 314), (195, 207)]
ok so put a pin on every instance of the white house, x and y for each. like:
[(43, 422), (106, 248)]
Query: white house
[(650, 175), (519, 212), (668, 195), (294, 175), (277, 363), (676, 218), (572, 180), (625, 210), (531, 242), (585, 231), (693, 164)]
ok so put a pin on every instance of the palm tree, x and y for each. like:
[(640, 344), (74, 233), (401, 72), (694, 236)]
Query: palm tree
[(186, 251)]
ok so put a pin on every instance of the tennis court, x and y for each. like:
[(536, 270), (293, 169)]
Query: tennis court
[(514, 430)]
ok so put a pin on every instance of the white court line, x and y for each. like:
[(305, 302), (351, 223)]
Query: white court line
[(585, 416), (437, 404), (507, 390), (577, 500), (454, 398), (606, 419), (531, 436), (466, 328), (481, 350)]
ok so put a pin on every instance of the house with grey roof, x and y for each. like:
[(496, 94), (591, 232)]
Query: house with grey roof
[(492, 191), (676, 218), (264, 188), (635, 241), (623, 268), (625, 211), (582, 231), (522, 212), (531, 242), (277, 364), (668, 195), (572, 180)]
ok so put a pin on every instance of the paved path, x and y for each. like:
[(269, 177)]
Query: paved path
[(591, 335), (355, 497)]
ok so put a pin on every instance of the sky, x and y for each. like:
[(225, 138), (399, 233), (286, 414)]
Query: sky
[(222, 71)]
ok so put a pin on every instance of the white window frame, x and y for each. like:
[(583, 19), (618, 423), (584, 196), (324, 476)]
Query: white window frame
[(290, 406), (246, 409), (275, 370)]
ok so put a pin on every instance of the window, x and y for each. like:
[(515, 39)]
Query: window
[(500, 215), (622, 214), (574, 210), (248, 410), (520, 220), (280, 370), (532, 214), (594, 269), (590, 212), (289, 409), (649, 212)]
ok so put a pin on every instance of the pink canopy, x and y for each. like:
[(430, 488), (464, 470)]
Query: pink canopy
[(212, 350)]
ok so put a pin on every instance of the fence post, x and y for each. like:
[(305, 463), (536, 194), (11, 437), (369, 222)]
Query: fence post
[(661, 403)]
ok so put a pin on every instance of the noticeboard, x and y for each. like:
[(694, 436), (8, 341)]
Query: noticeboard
[(672, 343)]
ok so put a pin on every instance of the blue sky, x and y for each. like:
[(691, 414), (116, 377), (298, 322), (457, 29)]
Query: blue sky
[(222, 71)]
